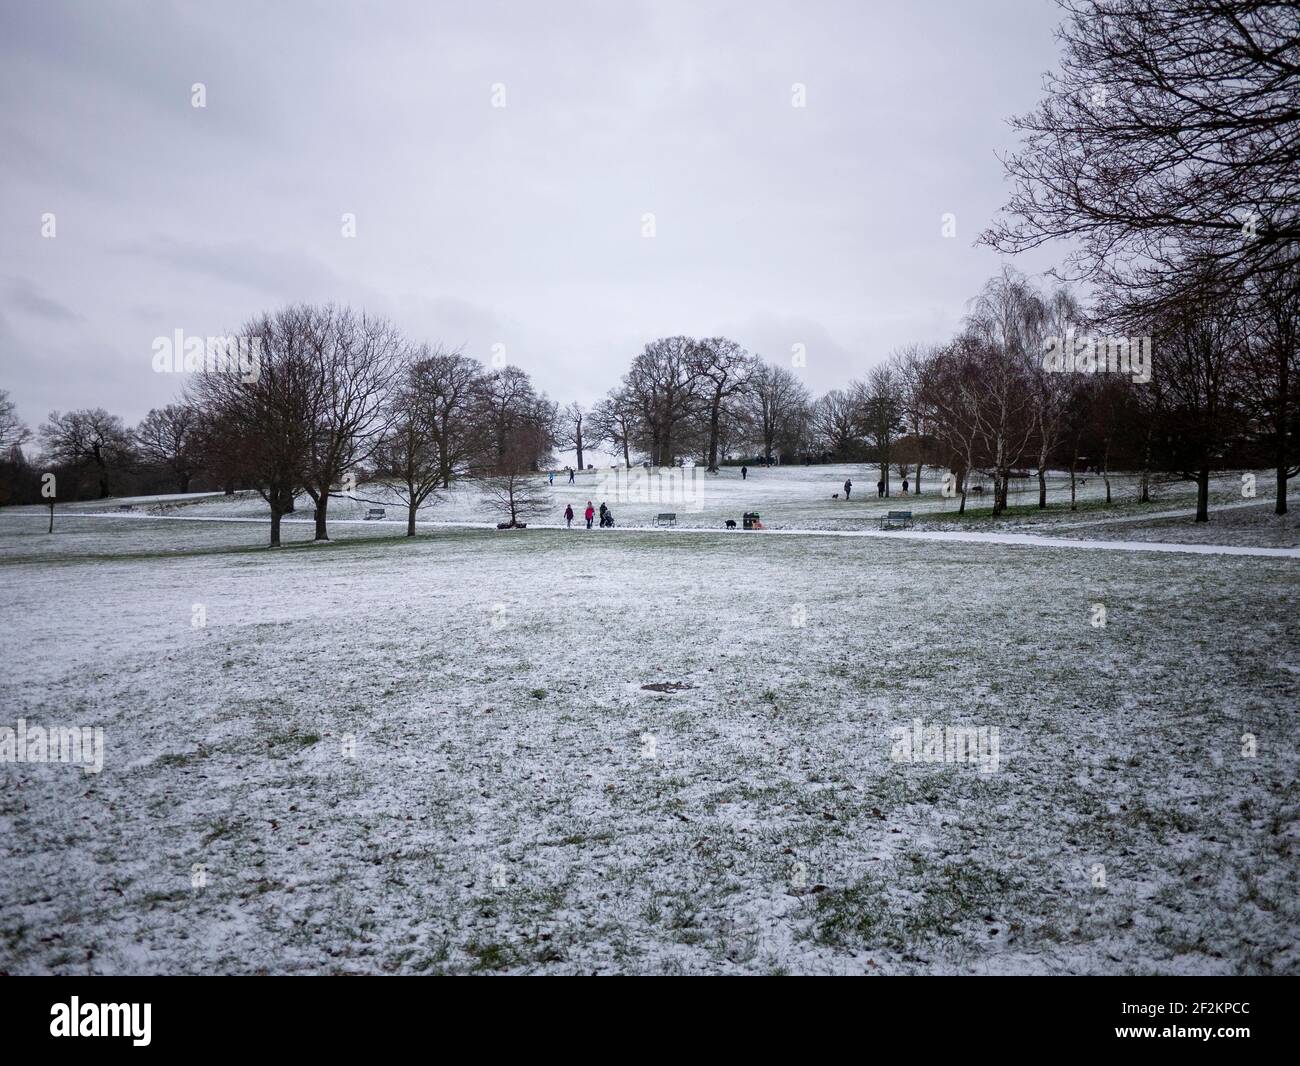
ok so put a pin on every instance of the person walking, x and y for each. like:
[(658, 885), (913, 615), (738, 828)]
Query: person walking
[(568, 516), (588, 514), (550, 476), (848, 487), (570, 475), (602, 514), (744, 473), (904, 486), (880, 488)]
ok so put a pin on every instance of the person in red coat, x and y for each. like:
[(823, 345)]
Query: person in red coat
[(589, 514)]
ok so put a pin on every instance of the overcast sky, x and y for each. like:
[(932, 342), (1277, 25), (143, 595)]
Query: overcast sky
[(518, 225)]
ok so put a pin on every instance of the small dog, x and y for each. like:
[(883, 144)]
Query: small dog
[(835, 495), (731, 523)]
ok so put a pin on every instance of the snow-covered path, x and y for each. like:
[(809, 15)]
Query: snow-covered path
[(958, 536)]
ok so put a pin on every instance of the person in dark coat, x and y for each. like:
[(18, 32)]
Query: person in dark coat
[(570, 475), (904, 486), (880, 488), (568, 516), (602, 514), (848, 487), (744, 473)]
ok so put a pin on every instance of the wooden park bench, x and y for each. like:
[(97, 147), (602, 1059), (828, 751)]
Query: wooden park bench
[(668, 518), (897, 520), (375, 513)]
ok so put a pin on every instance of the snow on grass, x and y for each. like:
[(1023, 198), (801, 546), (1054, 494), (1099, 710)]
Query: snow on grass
[(791, 497), (518, 800)]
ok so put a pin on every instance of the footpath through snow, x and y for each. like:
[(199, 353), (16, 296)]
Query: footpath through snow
[(1025, 539)]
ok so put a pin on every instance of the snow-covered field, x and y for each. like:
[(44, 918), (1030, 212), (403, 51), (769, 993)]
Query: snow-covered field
[(441, 754)]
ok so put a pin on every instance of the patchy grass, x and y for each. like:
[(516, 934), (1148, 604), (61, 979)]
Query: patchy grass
[(648, 754)]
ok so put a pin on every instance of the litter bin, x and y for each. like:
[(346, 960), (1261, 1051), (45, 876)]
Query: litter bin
[(750, 519)]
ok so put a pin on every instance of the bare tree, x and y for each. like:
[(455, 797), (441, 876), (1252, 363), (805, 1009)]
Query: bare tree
[(778, 408), (410, 456), (722, 369), (169, 437), (510, 486), (1008, 318), (909, 365), (951, 394), (571, 423), (355, 359), (1269, 375), (510, 411), (836, 420), (1197, 414), (613, 421), (1169, 129), (450, 386), (663, 385), (880, 406), (258, 431), (89, 438), (12, 430)]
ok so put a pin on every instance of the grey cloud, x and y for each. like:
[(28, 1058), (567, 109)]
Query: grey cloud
[(519, 225)]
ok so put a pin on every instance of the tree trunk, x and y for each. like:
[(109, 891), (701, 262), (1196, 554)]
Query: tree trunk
[(410, 518), (275, 526), (1146, 469), (103, 472), (322, 506), (230, 487), (1073, 500), (51, 516), (1042, 489), (1283, 419), (1203, 494), (185, 484), (1105, 471), (714, 418), (578, 442)]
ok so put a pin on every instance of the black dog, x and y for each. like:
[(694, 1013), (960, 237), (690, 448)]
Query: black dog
[(731, 523)]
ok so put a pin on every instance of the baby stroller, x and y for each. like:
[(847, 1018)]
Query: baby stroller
[(607, 521)]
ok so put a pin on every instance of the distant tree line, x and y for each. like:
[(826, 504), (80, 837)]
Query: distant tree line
[(342, 398)]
